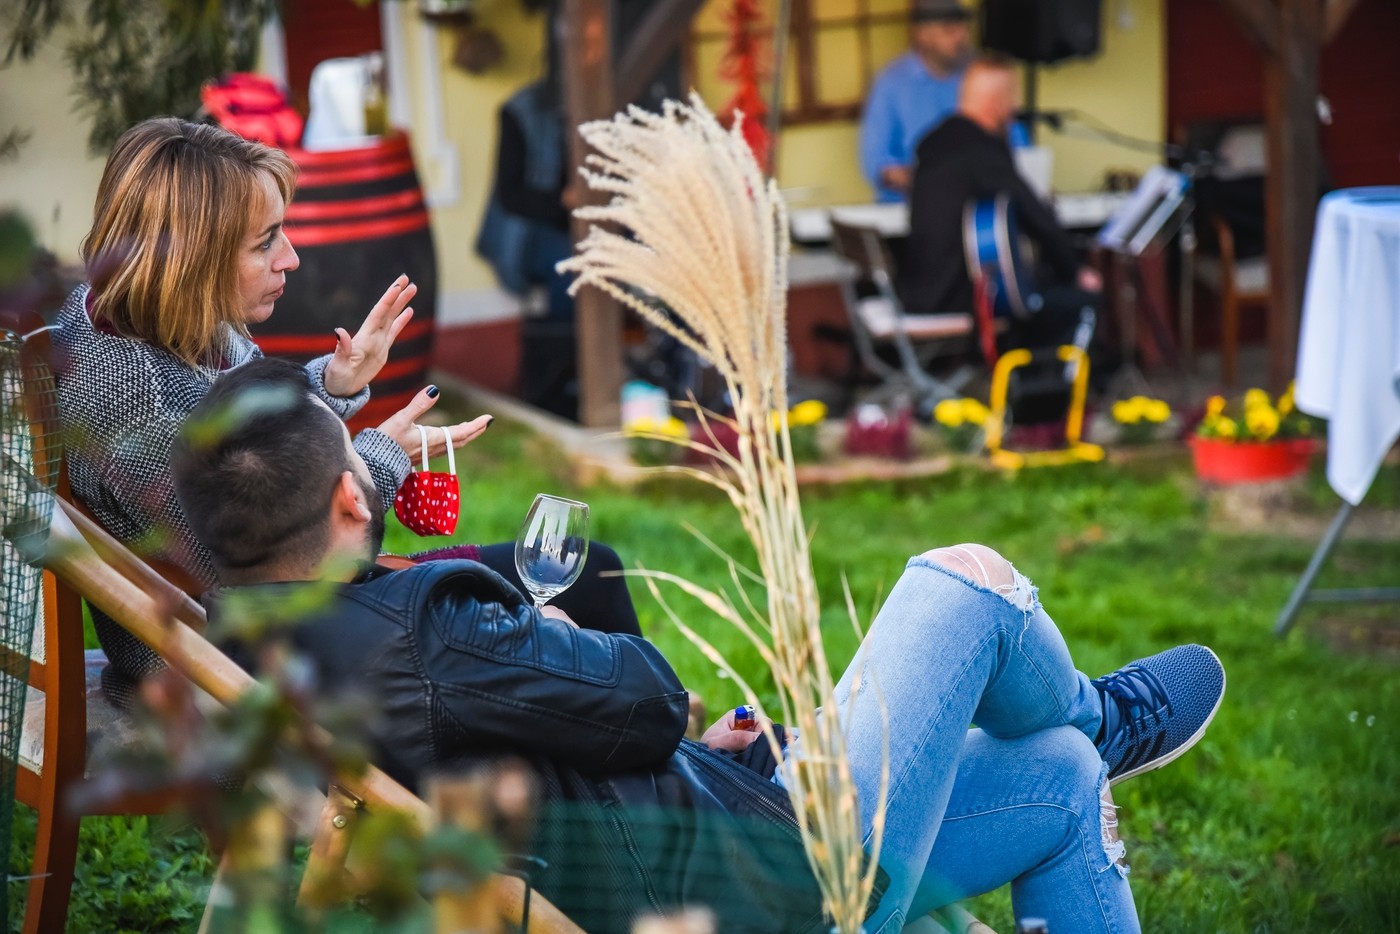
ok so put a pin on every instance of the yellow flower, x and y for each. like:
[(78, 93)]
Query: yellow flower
[(1256, 398), (1285, 401), (672, 428), (973, 411), (1225, 427), (1215, 405), (1157, 411), (1262, 421), (949, 413), (811, 412), (1125, 413)]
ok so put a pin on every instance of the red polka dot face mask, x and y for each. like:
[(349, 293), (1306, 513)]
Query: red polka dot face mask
[(428, 502)]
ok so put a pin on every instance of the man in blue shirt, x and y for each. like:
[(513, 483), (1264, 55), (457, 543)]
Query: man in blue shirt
[(913, 94)]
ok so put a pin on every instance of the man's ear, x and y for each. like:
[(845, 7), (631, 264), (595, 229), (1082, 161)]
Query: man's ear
[(349, 500)]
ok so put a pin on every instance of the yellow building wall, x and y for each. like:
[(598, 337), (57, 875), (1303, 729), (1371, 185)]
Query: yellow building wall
[(54, 180), (1124, 86), (469, 110)]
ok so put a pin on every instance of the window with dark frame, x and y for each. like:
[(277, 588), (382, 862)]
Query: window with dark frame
[(826, 38)]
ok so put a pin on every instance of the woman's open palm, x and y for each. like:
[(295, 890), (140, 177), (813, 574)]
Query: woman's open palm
[(358, 359)]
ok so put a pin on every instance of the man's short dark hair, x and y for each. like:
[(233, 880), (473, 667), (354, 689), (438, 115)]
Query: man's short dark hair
[(255, 465)]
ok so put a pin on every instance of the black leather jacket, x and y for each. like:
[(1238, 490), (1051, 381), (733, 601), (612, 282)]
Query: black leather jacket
[(464, 669)]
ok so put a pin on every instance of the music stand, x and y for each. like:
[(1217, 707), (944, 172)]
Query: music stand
[(1159, 207)]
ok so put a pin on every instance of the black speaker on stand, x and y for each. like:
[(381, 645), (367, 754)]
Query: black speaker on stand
[(1041, 32)]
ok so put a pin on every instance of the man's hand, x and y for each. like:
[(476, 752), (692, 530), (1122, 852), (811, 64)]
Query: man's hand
[(722, 734), (897, 177), (358, 359), (554, 612), (1089, 279)]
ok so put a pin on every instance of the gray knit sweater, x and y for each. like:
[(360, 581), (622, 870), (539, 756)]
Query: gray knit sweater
[(122, 401)]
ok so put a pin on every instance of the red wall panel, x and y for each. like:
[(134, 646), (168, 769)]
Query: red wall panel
[(1213, 72), (320, 29)]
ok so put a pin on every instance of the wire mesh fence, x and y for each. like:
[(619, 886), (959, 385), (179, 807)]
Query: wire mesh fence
[(29, 460)]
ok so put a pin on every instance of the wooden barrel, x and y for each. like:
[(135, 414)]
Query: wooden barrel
[(358, 220)]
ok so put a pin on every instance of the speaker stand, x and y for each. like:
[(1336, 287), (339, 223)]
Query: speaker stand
[(1029, 103)]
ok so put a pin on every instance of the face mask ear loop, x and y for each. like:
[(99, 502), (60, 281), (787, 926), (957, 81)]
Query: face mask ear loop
[(451, 456), (423, 438)]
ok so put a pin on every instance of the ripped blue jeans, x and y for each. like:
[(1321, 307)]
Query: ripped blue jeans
[(963, 639)]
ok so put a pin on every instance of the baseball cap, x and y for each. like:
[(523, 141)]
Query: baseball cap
[(923, 11)]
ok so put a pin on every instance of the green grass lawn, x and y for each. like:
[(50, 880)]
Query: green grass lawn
[(1285, 818)]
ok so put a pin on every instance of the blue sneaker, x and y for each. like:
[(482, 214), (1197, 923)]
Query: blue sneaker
[(1156, 708)]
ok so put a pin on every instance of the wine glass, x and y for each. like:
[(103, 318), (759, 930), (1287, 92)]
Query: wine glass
[(552, 546)]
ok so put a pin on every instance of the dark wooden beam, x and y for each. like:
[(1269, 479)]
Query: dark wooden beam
[(1260, 21), (589, 94), (655, 38), (1336, 16), (1290, 192)]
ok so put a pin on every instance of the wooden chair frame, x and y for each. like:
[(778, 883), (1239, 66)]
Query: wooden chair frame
[(1232, 302), (864, 249), (92, 565)]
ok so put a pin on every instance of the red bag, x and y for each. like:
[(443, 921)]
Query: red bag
[(254, 107), (428, 502)]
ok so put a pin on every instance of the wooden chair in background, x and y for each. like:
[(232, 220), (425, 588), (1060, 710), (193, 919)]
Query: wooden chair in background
[(1239, 285), (1230, 201)]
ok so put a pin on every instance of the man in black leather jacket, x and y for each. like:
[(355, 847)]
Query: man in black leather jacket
[(635, 818)]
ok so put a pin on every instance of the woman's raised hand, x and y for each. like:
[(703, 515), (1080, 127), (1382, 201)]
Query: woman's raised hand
[(358, 359), (402, 426)]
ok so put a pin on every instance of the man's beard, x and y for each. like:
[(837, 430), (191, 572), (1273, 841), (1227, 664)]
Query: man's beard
[(374, 533)]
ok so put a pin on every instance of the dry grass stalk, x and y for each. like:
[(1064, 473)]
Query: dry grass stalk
[(694, 240)]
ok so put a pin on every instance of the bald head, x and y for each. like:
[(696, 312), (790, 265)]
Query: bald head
[(989, 95)]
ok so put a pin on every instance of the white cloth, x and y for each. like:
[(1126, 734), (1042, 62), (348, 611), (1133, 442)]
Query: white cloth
[(337, 98), (1349, 343), (813, 225)]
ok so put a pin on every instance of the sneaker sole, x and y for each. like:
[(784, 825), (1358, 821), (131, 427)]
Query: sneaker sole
[(1179, 751)]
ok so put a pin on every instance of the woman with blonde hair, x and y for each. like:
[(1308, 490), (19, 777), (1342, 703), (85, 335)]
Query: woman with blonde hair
[(187, 249)]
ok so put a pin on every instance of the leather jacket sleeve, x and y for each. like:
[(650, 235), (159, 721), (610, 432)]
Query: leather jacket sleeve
[(508, 677)]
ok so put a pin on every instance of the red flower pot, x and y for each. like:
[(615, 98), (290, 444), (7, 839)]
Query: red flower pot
[(1229, 462)]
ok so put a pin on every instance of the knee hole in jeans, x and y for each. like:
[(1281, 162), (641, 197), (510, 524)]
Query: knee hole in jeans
[(988, 568)]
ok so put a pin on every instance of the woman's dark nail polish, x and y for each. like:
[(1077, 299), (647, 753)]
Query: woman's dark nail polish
[(432, 392)]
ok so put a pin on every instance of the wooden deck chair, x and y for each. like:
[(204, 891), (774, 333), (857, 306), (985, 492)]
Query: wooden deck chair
[(880, 319), (65, 704), (83, 561), (88, 561), (93, 564)]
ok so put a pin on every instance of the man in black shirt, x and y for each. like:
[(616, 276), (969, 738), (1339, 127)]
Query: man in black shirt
[(965, 158)]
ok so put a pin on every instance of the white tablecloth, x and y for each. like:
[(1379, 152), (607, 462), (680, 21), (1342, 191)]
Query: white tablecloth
[(813, 225), (1349, 343)]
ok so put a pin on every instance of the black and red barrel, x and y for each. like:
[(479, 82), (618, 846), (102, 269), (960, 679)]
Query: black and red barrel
[(358, 220)]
